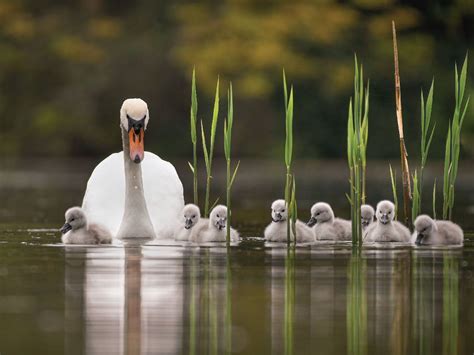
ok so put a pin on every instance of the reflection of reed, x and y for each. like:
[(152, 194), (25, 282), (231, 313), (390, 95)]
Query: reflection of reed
[(192, 308), (356, 307), (228, 311), (423, 304), (450, 304), (289, 300)]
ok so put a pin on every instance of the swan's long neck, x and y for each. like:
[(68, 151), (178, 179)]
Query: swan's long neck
[(136, 222)]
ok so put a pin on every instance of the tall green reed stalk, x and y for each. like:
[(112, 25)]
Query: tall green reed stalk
[(208, 154), (193, 124), (228, 123), (357, 135), (434, 199), (427, 132), (453, 141), (288, 152)]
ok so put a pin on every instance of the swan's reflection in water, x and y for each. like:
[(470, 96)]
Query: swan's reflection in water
[(188, 300)]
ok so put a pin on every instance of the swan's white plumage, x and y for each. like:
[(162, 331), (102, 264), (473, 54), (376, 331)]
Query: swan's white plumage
[(104, 200)]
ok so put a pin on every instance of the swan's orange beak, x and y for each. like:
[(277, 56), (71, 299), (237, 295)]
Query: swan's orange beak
[(137, 145)]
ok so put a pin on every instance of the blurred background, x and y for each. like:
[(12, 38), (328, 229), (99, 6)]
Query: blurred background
[(66, 67)]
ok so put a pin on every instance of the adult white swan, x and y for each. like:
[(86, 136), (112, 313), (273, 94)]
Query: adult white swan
[(135, 194)]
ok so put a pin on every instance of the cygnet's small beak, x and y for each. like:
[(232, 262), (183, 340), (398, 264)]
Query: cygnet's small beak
[(419, 239), (365, 222), (65, 228), (384, 218), (221, 224), (136, 136), (312, 221), (277, 217), (188, 223)]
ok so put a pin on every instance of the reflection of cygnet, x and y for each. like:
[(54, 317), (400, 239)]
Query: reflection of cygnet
[(214, 228), (190, 217), (367, 215), (277, 230), (429, 232), (386, 229), (77, 231), (326, 226)]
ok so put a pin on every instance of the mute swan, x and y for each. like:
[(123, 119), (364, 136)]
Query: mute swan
[(190, 217), (277, 230), (76, 230), (386, 229), (326, 226), (429, 231), (214, 228), (367, 214), (135, 194)]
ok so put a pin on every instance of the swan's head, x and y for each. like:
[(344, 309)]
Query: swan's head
[(134, 118), (385, 211), (218, 217), (367, 214), (75, 219), (191, 215), (320, 212), (424, 226), (279, 211)]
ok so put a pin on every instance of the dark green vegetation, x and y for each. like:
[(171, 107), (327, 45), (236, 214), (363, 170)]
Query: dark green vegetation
[(66, 67)]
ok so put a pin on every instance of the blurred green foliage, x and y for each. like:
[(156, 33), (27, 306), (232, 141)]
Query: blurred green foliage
[(66, 66)]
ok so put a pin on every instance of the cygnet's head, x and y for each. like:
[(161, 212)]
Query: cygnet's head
[(320, 212), (191, 215), (218, 217), (367, 214), (75, 219), (134, 118), (424, 226), (279, 211), (385, 211)]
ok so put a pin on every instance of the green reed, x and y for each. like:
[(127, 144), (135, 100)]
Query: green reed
[(393, 180), (453, 140), (228, 123), (357, 136), (434, 199), (208, 154), (427, 131), (193, 123), (288, 151)]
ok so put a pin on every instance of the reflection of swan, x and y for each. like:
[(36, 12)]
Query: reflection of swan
[(429, 231), (214, 228), (189, 217), (76, 230), (326, 226), (128, 204), (277, 230), (386, 229)]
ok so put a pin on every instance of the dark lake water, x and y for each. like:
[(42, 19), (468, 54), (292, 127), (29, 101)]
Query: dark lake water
[(180, 298)]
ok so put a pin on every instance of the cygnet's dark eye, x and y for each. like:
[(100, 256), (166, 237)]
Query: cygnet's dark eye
[(282, 210), (194, 216), (389, 212), (218, 216), (72, 219)]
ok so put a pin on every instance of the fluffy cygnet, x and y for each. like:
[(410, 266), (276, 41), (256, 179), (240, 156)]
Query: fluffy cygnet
[(190, 217), (214, 228), (386, 229), (367, 214), (326, 226), (76, 230), (430, 232), (277, 230)]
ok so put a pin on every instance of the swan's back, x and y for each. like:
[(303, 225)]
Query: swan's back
[(449, 233), (104, 200)]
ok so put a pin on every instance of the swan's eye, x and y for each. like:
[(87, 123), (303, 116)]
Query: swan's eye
[(389, 212), (218, 216), (194, 216), (72, 219), (282, 211)]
